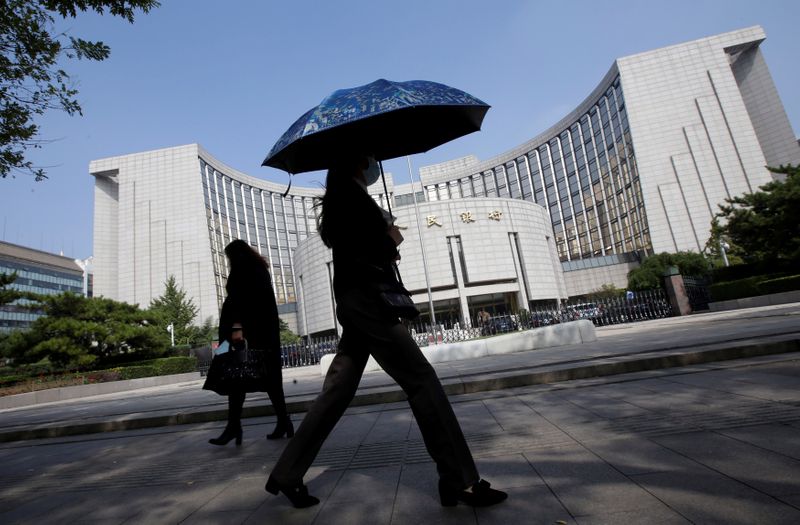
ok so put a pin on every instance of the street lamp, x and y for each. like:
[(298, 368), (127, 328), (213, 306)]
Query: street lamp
[(723, 247)]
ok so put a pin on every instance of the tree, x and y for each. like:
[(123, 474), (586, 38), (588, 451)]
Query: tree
[(31, 80), (8, 295), (202, 335), (765, 224), (713, 250), (173, 307), (606, 291), (651, 272), (287, 336), (87, 332)]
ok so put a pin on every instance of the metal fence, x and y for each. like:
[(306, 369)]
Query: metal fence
[(698, 291), (306, 353), (650, 304)]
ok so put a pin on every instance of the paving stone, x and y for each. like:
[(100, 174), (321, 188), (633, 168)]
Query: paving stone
[(245, 494), (781, 438), (372, 483), (506, 472), (766, 471), (659, 515), (708, 497), (532, 504), (584, 483), (633, 455), (417, 500), (217, 518)]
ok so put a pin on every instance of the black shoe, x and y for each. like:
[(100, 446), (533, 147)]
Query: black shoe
[(227, 435), (284, 426), (480, 495), (298, 495)]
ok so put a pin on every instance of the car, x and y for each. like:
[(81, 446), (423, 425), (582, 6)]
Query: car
[(499, 324), (584, 311)]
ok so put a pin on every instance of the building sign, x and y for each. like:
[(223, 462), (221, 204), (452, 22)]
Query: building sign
[(432, 220), (467, 217), (496, 215)]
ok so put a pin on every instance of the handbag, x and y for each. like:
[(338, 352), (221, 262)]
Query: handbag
[(398, 299), (237, 370)]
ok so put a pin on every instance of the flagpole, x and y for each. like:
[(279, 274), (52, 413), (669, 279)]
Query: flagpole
[(421, 242)]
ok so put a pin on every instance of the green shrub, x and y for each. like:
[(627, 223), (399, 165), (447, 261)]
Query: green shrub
[(743, 271), (176, 365), (136, 372), (12, 380), (781, 284), (736, 289), (157, 367)]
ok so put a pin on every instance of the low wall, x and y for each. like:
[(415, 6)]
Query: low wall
[(50, 395), (572, 333), (759, 300)]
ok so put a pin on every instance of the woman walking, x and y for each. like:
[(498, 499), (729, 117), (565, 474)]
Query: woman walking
[(364, 247), (250, 314)]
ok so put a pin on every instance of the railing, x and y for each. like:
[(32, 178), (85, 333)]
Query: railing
[(697, 288), (640, 306), (306, 353)]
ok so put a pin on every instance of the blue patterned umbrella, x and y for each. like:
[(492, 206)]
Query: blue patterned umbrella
[(384, 119)]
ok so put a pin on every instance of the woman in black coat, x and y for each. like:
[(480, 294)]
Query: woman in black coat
[(364, 243), (250, 313)]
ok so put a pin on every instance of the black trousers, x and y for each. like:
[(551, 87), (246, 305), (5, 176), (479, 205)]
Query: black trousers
[(274, 389), (368, 329)]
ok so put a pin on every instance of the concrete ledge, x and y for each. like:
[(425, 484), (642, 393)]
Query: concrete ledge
[(759, 300), (574, 332), (50, 395)]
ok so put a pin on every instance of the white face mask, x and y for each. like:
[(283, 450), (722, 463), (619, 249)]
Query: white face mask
[(373, 172)]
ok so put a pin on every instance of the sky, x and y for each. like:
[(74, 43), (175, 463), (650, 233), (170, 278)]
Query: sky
[(232, 75)]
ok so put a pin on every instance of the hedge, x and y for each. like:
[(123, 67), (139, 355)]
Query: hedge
[(736, 289), (754, 269), (781, 284), (157, 367), (753, 286), (154, 367)]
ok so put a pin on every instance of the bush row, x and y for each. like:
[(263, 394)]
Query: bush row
[(754, 286), (151, 368)]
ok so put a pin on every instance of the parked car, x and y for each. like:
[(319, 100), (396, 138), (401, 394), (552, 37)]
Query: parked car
[(499, 324), (584, 311)]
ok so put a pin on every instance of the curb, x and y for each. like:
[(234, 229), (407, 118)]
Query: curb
[(644, 362)]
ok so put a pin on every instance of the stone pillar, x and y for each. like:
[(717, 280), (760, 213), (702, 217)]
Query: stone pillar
[(676, 291)]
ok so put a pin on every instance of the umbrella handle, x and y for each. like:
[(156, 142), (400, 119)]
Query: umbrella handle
[(285, 193)]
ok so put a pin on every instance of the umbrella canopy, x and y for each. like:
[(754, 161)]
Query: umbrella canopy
[(384, 119)]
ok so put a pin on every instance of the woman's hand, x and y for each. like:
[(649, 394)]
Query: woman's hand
[(394, 233), (236, 333)]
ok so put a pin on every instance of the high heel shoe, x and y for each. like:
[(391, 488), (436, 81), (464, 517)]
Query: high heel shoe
[(298, 495), (227, 435), (284, 426), (481, 495)]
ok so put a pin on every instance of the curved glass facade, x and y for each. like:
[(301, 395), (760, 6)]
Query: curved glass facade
[(267, 220), (585, 176)]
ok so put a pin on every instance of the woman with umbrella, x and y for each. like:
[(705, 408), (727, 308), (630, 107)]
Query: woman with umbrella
[(364, 245)]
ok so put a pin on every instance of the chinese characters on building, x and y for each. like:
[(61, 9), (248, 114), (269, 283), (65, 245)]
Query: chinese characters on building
[(466, 217)]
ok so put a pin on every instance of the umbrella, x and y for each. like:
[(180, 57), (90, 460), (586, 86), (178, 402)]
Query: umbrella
[(383, 119)]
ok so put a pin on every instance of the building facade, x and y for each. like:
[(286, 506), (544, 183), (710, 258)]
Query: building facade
[(495, 255), (643, 163), (40, 273), (639, 167)]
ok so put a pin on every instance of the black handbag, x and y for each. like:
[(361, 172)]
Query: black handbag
[(237, 370), (398, 299)]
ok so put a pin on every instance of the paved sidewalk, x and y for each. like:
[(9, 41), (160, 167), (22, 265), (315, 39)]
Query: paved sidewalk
[(649, 345), (679, 445)]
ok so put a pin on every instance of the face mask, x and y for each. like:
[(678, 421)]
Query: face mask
[(373, 172)]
